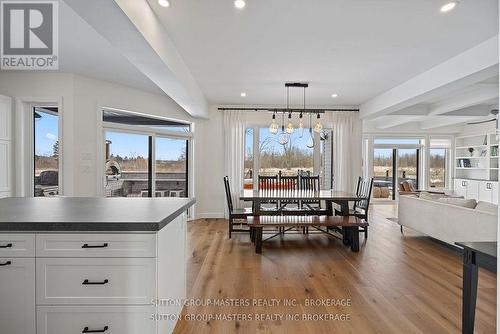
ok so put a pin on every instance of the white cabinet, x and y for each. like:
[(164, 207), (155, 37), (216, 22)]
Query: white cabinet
[(460, 187), (472, 189), (69, 287), (107, 319), (488, 192), (17, 295), (5, 145)]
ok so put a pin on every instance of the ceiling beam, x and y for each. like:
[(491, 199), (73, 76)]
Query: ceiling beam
[(470, 67), (478, 94), (390, 121), (137, 33), (441, 121)]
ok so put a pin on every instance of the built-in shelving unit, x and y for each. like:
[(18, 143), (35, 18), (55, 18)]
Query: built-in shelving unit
[(476, 157), (476, 167)]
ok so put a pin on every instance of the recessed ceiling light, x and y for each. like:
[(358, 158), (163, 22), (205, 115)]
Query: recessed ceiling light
[(240, 4), (449, 6), (335, 95), (243, 94), (164, 3)]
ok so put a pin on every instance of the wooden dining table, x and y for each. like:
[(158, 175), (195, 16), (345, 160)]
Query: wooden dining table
[(342, 198)]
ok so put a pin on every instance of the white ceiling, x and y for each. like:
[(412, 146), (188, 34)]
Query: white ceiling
[(357, 49), (84, 51)]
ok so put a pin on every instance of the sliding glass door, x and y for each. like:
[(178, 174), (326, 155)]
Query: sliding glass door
[(171, 167), (127, 165), (384, 161), (391, 167), (408, 161)]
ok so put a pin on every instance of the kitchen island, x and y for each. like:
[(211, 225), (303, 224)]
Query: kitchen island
[(92, 265)]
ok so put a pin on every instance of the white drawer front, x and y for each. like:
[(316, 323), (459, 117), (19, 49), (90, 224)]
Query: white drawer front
[(74, 319), (17, 245), (95, 281), (96, 245)]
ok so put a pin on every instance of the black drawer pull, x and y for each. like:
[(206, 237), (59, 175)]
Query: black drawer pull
[(6, 246), (87, 330), (8, 263), (95, 246), (87, 282)]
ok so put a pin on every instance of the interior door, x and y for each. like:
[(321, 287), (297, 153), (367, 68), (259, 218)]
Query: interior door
[(5, 146)]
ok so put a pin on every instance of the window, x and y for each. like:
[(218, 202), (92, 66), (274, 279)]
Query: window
[(46, 151), (437, 167), (290, 158), (171, 167), (145, 156), (248, 172), (270, 157)]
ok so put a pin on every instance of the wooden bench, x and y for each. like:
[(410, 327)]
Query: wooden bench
[(349, 226)]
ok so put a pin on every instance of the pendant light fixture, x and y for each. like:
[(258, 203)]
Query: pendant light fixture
[(284, 137), (289, 126), (273, 128), (301, 126), (318, 127), (310, 142)]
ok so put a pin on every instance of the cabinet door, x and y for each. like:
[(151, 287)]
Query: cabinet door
[(472, 189), (485, 192), (460, 188), (494, 192), (17, 296)]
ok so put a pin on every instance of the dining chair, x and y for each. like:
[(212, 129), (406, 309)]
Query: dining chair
[(361, 207), (289, 183), (309, 183), (240, 214), (269, 184)]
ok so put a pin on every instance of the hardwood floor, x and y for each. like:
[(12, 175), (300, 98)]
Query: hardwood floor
[(396, 283)]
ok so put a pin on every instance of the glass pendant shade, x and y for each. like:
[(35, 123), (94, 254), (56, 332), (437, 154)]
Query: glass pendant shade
[(273, 128), (284, 137), (318, 127), (310, 142), (301, 128)]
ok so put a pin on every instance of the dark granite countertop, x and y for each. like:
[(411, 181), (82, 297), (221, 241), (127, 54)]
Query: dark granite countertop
[(83, 214)]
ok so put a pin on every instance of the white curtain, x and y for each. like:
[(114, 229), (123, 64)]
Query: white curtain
[(234, 152), (347, 150)]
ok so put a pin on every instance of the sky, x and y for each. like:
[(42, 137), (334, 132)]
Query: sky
[(124, 144), (133, 145), (46, 133)]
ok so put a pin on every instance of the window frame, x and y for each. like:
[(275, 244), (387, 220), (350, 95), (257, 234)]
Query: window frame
[(153, 133), (256, 153)]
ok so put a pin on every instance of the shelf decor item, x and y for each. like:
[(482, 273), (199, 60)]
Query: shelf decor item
[(483, 152), (471, 151), (485, 142)]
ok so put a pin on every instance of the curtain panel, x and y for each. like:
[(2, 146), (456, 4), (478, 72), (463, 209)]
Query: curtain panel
[(347, 150), (234, 152)]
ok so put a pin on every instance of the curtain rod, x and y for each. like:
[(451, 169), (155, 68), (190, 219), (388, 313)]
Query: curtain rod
[(284, 110)]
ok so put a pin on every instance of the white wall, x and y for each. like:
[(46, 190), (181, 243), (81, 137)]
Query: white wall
[(80, 98)]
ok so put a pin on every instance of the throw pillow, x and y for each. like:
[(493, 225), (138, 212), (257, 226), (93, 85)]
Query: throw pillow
[(429, 196), (466, 203), (487, 207)]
